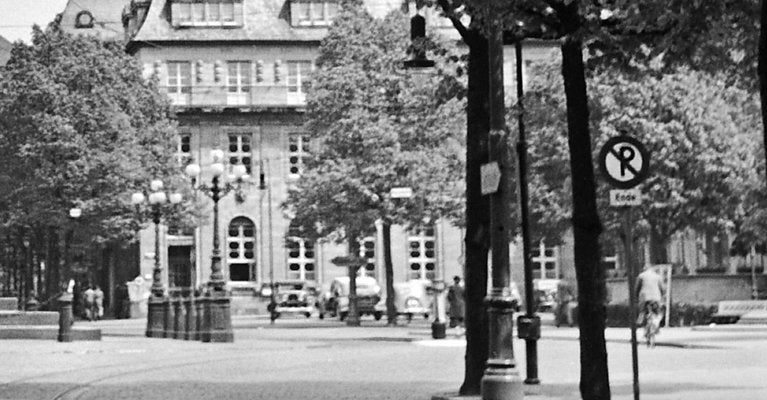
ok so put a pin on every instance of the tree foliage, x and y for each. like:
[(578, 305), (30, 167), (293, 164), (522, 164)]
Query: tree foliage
[(374, 127), (699, 131), (79, 127)]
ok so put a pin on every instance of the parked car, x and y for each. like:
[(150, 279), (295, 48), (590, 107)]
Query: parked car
[(293, 297), (545, 294), (412, 298), (336, 301)]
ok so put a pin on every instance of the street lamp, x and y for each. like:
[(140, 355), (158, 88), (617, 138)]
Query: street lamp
[(217, 307), (156, 317)]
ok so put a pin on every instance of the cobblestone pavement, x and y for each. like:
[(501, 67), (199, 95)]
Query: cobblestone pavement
[(311, 359)]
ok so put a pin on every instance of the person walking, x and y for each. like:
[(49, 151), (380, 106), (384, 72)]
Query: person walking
[(89, 301), (565, 297), (98, 302), (457, 302), (650, 290)]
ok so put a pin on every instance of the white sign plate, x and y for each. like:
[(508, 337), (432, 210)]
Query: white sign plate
[(401, 193), (491, 177), (625, 197)]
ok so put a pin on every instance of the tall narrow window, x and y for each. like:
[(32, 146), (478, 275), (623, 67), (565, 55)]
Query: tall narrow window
[(301, 259), (545, 261), (298, 151), (368, 252), (179, 81), (240, 150), (298, 80), (241, 249), (184, 149), (238, 82), (422, 258)]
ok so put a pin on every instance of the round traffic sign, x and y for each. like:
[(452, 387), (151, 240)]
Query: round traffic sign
[(624, 161)]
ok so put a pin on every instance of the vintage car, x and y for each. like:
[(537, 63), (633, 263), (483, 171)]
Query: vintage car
[(336, 301), (293, 297), (413, 298)]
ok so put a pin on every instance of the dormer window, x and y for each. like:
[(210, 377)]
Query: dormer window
[(210, 13), (313, 12), (84, 20)]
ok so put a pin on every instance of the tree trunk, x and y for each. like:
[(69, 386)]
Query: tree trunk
[(391, 309), (762, 70), (477, 215), (658, 247), (594, 384)]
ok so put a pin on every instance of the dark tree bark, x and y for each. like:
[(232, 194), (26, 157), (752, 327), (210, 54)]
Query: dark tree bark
[(391, 309), (477, 214), (594, 380), (762, 69)]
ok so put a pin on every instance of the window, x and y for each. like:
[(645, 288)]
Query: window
[(241, 249), (298, 151), (184, 149), (422, 258), (179, 81), (238, 82), (545, 261), (301, 263), (240, 150), (206, 13), (83, 20), (298, 80), (180, 266), (313, 12), (368, 252)]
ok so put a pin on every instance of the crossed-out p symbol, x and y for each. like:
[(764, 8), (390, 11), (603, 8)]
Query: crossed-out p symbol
[(624, 161)]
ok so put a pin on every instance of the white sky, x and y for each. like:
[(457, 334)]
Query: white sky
[(18, 16)]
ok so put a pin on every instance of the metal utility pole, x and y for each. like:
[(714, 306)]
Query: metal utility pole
[(529, 324), (501, 379)]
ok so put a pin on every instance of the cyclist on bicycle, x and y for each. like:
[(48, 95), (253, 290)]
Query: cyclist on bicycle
[(650, 291)]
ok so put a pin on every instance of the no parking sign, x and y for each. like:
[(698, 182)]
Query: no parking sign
[(624, 161)]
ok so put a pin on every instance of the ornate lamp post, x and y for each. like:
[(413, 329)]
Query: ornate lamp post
[(155, 326), (217, 318)]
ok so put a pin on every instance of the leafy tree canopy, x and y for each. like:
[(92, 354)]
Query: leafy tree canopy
[(79, 126), (376, 126), (700, 132)]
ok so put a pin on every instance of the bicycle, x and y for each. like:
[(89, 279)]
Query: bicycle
[(652, 320)]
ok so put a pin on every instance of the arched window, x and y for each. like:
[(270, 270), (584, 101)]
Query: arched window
[(241, 249), (84, 19)]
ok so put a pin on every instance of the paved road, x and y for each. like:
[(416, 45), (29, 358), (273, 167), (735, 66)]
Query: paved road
[(312, 359)]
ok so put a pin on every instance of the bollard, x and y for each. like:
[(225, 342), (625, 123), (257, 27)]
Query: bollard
[(198, 313), (170, 319), (65, 317), (180, 317), (191, 317)]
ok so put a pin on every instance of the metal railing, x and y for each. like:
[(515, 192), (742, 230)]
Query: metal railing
[(242, 96)]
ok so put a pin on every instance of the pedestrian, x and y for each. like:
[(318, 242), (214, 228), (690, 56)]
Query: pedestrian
[(650, 290), (89, 300), (98, 303), (564, 307), (457, 302)]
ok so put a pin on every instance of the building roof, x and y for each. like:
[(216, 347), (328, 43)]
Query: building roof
[(263, 20), (5, 50), (106, 22)]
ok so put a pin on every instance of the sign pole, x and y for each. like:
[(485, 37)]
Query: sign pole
[(627, 217)]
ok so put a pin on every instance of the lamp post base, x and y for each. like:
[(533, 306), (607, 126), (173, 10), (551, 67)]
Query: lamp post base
[(155, 317), (502, 383), (438, 330), (65, 318), (218, 324)]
